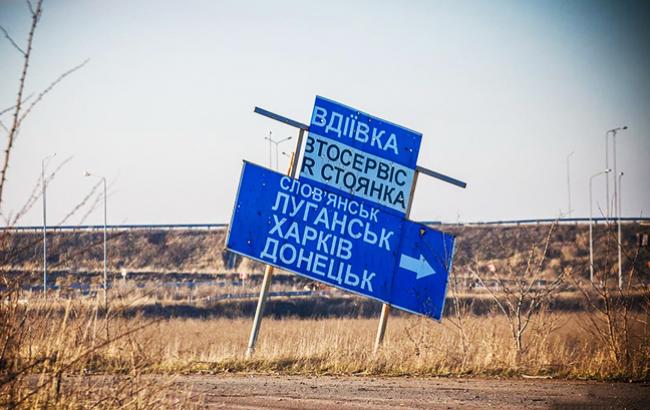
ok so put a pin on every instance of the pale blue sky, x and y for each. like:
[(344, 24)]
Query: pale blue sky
[(502, 92)]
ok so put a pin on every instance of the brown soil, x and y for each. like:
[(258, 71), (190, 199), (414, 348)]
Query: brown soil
[(299, 392)]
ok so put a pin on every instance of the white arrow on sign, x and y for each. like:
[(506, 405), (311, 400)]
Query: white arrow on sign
[(420, 266)]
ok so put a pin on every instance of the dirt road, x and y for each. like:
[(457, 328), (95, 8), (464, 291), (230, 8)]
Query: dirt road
[(297, 392)]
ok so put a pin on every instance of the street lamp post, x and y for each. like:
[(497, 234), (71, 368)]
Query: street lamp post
[(44, 184), (88, 174), (591, 237), (278, 142), (620, 244), (613, 131), (568, 179), (616, 200), (607, 214)]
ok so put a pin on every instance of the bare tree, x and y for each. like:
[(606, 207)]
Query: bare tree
[(20, 110), (17, 108), (522, 293)]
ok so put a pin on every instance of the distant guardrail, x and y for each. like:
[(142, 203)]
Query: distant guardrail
[(219, 226), (125, 227), (538, 221)]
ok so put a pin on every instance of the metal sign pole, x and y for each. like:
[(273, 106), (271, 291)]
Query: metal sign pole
[(268, 271), (296, 155), (385, 308), (261, 303)]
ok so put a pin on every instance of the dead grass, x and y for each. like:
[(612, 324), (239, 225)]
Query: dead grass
[(47, 345), (413, 346), (41, 348)]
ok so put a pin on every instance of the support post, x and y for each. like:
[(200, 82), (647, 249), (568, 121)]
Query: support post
[(261, 303), (381, 330), (268, 271), (296, 155), (385, 308)]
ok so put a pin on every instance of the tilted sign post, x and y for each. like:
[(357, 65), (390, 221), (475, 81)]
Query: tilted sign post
[(344, 222)]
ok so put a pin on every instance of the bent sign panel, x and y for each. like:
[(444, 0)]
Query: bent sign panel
[(361, 155), (425, 259), (342, 241)]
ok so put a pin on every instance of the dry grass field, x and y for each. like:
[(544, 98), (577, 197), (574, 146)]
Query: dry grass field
[(50, 345), (516, 308), (413, 346)]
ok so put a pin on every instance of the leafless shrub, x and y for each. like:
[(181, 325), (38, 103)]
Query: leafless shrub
[(619, 315), (522, 294)]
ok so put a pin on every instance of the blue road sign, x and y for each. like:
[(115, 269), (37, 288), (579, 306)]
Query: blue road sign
[(361, 155), (424, 263), (365, 132), (319, 234), (340, 240)]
